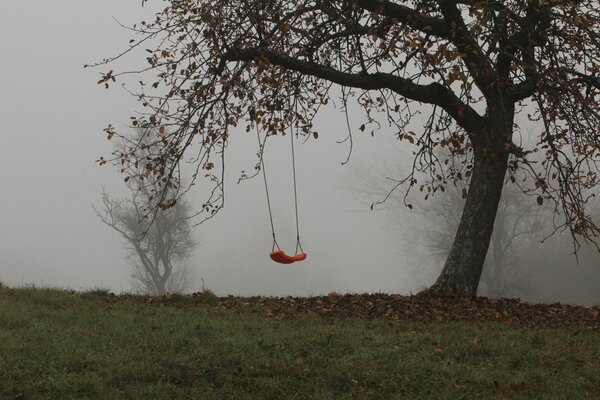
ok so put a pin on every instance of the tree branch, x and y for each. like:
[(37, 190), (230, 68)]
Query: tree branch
[(479, 66), (433, 93), (408, 16)]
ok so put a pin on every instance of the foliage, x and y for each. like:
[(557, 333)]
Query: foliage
[(56, 344), (220, 62)]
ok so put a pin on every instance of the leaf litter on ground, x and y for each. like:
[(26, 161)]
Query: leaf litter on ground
[(425, 306)]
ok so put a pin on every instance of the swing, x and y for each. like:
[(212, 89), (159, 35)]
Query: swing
[(279, 255)]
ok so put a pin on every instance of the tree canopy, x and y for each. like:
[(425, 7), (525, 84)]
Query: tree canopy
[(223, 63)]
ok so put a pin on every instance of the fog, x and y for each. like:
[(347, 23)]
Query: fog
[(52, 114)]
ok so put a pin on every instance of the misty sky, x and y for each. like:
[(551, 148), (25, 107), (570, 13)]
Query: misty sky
[(52, 114)]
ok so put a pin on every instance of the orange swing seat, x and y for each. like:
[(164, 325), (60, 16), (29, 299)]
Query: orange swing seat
[(280, 257)]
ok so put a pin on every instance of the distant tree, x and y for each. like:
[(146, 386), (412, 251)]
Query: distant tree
[(517, 230), (476, 64), (434, 218), (160, 244)]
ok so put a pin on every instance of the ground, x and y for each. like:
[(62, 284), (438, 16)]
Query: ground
[(57, 344)]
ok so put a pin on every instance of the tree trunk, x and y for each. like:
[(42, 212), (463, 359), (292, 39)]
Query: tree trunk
[(160, 285), (463, 267)]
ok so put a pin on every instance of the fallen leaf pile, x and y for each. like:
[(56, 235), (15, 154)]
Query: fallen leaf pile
[(425, 306)]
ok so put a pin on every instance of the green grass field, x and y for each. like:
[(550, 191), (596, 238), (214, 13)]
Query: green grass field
[(66, 345)]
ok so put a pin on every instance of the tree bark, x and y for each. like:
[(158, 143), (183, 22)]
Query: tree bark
[(463, 267)]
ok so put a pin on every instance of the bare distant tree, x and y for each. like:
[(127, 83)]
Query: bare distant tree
[(160, 245), (519, 222), (517, 231), (181, 279), (433, 219)]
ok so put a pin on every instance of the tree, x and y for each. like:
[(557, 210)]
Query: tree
[(160, 247), (477, 64), (517, 229), (428, 228)]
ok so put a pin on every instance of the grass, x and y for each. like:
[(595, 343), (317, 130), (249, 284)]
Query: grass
[(67, 345)]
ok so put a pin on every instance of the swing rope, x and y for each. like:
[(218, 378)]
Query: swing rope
[(261, 149), (280, 256), (298, 245)]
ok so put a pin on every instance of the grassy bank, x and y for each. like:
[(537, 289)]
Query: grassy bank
[(67, 345)]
